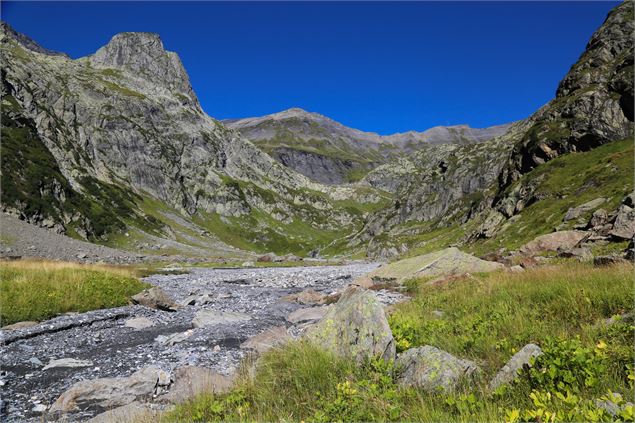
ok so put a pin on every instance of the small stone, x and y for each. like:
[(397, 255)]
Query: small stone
[(216, 348), (39, 408), (139, 323), (67, 362), (20, 325), (216, 317), (36, 361)]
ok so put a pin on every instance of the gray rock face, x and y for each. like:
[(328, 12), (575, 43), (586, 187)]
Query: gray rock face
[(143, 53), (432, 369), (217, 317), (355, 327), (155, 298), (327, 151), (519, 360), (109, 392), (125, 121)]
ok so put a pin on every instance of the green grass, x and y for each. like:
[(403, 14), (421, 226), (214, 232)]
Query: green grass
[(39, 290), (487, 318)]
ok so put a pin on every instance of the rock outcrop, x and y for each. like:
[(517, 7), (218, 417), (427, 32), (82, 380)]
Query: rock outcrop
[(155, 298), (520, 360), (355, 327), (447, 262), (109, 393), (432, 369)]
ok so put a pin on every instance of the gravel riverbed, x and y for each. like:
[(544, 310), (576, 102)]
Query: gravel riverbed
[(116, 350)]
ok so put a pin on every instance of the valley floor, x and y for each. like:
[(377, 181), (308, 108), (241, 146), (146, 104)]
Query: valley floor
[(115, 350)]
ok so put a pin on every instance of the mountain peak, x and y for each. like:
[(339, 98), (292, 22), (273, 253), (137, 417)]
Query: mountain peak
[(7, 31), (143, 54)]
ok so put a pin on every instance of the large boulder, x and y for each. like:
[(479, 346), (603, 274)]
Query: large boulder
[(268, 339), (217, 317), (575, 212), (624, 225), (562, 240), (521, 359), (190, 381), (355, 327), (447, 262), (106, 393), (432, 369), (155, 298)]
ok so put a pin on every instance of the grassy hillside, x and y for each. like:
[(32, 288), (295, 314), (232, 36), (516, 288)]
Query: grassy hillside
[(485, 318), (38, 290), (567, 181)]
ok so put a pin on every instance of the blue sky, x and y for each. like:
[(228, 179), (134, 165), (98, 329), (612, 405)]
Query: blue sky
[(383, 67)]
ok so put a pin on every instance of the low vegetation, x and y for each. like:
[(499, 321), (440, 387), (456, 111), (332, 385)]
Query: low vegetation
[(486, 318), (38, 290)]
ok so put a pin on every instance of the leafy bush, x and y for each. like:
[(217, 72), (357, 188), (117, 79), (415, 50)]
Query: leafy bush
[(566, 365)]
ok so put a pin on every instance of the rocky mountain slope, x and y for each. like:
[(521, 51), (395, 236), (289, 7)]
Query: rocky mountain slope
[(481, 188), (329, 152), (114, 147)]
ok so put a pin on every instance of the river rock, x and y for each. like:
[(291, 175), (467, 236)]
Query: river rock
[(67, 362), (155, 298), (447, 262), (355, 327), (108, 392), (307, 297), (139, 323), (304, 315), (173, 339), (190, 381), (519, 360), (563, 240), (20, 325), (217, 317), (268, 339), (431, 369)]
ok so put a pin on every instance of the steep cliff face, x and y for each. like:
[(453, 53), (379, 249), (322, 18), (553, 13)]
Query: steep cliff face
[(329, 152), (480, 188), (127, 117)]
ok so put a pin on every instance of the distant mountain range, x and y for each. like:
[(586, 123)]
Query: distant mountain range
[(329, 152)]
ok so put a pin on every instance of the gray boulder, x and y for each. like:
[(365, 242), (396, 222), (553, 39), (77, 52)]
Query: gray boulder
[(624, 225), (108, 393), (190, 381), (519, 360), (67, 363), (432, 369), (575, 212), (355, 327), (562, 240), (155, 298), (268, 339), (216, 317)]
